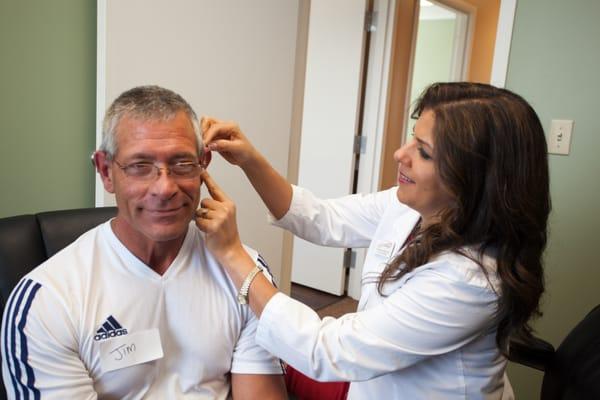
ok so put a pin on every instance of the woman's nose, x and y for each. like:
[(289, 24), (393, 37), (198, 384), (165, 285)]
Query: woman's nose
[(402, 154)]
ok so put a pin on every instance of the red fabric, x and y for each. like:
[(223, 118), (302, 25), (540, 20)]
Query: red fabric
[(305, 388)]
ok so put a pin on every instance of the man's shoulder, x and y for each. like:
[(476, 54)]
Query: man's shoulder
[(260, 261), (211, 265), (199, 245), (70, 261)]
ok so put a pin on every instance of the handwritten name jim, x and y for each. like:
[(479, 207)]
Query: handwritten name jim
[(123, 351), (135, 348)]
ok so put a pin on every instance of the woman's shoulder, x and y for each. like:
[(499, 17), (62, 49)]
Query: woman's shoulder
[(467, 265)]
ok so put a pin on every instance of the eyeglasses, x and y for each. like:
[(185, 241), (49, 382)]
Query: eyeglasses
[(146, 172)]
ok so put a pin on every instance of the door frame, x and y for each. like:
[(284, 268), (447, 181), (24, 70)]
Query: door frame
[(101, 196), (388, 90), (401, 73)]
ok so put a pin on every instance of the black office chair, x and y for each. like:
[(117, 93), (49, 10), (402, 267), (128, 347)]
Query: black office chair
[(26, 241), (572, 372)]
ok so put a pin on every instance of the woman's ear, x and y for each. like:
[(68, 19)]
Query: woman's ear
[(206, 157), (102, 163)]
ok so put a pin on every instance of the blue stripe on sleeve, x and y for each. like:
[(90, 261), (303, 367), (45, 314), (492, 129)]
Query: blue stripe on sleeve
[(266, 267), (263, 263), (21, 294), (13, 339), (7, 330), (24, 350)]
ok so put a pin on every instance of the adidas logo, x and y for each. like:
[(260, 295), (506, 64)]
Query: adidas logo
[(110, 328)]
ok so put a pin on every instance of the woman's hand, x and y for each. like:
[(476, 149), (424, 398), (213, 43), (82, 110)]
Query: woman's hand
[(227, 139), (230, 142), (216, 218)]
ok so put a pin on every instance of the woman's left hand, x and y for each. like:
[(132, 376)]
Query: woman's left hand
[(216, 218)]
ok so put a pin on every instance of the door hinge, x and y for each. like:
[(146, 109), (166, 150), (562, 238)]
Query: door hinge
[(370, 21), (360, 144), (349, 258)]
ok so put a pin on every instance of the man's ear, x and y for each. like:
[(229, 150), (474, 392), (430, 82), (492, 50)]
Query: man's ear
[(205, 160), (104, 168)]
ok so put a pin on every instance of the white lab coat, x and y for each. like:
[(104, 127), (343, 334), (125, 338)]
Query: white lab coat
[(431, 337)]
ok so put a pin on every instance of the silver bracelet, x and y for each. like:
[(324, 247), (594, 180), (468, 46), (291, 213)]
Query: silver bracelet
[(245, 288)]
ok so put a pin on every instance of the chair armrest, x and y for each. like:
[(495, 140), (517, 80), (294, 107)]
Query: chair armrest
[(535, 352)]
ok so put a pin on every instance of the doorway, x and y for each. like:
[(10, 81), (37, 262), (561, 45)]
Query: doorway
[(386, 96), (479, 31), (442, 51)]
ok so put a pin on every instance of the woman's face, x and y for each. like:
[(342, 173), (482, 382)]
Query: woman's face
[(419, 184)]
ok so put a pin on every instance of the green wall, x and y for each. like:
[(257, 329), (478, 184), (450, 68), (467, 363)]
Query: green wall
[(553, 63), (433, 56), (47, 104)]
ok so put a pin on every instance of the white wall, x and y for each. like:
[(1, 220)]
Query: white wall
[(230, 59)]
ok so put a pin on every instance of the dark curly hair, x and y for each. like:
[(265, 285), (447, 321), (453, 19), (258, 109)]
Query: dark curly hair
[(490, 153)]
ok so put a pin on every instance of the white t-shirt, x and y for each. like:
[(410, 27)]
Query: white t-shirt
[(432, 336), (95, 304)]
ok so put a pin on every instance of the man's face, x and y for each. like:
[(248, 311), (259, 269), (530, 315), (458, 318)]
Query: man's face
[(158, 210)]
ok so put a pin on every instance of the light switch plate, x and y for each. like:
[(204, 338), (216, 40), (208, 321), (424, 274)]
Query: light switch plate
[(560, 136)]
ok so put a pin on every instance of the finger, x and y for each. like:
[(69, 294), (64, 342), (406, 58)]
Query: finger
[(219, 130), (202, 213), (206, 225), (210, 130), (213, 189), (210, 204), (221, 145), (206, 123)]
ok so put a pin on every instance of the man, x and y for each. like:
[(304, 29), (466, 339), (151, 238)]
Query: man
[(137, 307)]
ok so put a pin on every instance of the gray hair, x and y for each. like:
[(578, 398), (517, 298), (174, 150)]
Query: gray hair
[(147, 103)]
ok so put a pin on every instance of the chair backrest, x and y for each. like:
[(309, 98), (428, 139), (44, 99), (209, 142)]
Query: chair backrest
[(26, 241), (61, 228), (21, 250), (574, 373)]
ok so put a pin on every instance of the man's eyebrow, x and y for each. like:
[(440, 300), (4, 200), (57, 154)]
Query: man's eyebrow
[(150, 157), (183, 155), (140, 156)]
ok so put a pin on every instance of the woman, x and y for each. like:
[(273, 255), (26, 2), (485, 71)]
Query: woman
[(454, 262)]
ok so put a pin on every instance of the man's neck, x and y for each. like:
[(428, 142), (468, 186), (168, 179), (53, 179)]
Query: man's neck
[(157, 255)]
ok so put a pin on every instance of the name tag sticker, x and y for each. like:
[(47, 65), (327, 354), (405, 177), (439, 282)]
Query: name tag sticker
[(385, 249), (134, 348)]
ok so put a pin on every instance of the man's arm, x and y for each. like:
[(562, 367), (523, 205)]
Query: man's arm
[(39, 348), (255, 374), (254, 386)]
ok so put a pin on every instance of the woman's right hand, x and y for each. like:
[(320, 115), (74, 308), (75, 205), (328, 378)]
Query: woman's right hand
[(228, 140)]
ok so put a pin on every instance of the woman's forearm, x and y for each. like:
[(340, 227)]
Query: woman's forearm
[(238, 265), (274, 190)]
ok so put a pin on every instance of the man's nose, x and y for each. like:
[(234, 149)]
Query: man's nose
[(164, 185)]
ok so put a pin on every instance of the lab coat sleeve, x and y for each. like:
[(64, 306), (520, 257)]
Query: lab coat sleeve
[(348, 221), (40, 356), (431, 314)]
